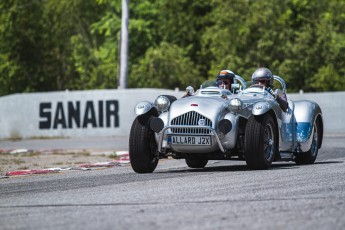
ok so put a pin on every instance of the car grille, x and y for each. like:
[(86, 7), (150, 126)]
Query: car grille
[(191, 118)]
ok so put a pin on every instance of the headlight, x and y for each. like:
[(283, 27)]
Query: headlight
[(190, 91), (162, 103), (235, 105)]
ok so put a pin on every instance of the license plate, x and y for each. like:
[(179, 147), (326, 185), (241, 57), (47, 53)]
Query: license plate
[(189, 140)]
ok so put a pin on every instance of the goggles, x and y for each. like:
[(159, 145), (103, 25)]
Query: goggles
[(220, 82)]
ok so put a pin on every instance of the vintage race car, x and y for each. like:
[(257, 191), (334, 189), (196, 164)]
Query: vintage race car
[(245, 124)]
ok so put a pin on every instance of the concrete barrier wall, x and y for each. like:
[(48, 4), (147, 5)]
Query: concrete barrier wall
[(109, 112), (72, 113)]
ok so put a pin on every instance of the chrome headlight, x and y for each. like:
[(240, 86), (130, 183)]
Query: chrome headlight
[(190, 91), (235, 105), (162, 103)]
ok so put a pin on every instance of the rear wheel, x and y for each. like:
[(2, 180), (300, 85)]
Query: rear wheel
[(260, 141), (196, 163), (142, 148), (309, 157)]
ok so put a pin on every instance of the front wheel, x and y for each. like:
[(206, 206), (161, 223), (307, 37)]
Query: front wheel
[(260, 141), (309, 157), (196, 163), (142, 148)]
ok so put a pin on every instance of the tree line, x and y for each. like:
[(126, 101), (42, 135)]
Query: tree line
[(49, 45)]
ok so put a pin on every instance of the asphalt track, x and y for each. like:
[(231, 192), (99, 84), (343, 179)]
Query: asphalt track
[(224, 195)]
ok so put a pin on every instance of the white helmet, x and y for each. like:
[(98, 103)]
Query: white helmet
[(227, 74)]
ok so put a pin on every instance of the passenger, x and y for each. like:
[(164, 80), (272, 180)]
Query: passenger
[(225, 78), (264, 77)]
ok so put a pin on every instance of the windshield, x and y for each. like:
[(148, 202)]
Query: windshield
[(235, 87), (254, 88), (210, 88), (213, 83), (209, 83)]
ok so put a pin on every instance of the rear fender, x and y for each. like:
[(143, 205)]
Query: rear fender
[(305, 114)]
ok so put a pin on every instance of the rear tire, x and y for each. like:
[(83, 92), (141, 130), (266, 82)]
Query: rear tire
[(196, 163), (309, 157), (142, 148), (260, 141)]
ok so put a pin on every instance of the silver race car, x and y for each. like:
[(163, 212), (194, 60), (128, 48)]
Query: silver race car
[(212, 123)]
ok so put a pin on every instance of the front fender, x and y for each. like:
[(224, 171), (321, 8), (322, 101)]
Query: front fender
[(230, 139), (261, 108), (143, 107)]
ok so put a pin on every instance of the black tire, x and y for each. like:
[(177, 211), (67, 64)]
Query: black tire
[(309, 157), (260, 142), (196, 163), (142, 148)]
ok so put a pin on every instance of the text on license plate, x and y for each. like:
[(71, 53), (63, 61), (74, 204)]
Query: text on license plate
[(189, 140)]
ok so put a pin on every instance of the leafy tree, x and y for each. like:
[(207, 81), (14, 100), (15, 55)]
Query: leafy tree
[(165, 67), (21, 53), (183, 22), (144, 30), (97, 63), (327, 79), (156, 22), (74, 44), (73, 47)]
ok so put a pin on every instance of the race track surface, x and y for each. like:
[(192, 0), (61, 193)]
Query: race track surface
[(224, 195)]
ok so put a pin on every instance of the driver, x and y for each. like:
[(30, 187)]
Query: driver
[(225, 78), (264, 77)]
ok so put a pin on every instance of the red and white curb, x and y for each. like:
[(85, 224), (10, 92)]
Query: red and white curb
[(123, 160), (28, 172), (15, 151)]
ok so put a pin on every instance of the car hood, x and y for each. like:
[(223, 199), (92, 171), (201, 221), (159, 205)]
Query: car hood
[(206, 106)]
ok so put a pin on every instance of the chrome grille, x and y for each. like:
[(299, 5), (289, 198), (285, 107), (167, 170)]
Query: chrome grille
[(191, 118)]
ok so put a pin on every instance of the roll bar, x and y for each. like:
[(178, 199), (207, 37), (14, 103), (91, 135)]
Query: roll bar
[(240, 79), (281, 81)]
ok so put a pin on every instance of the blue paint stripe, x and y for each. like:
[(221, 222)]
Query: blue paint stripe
[(303, 131)]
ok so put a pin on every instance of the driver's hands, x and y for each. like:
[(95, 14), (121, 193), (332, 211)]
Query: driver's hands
[(271, 92)]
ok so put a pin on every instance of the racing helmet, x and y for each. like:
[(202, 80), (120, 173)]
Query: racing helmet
[(262, 74), (227, 74)]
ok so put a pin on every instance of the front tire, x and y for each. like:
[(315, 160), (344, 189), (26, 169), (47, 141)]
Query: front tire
[(260, 141), (142, 148), (309, 157), (196, 163)]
